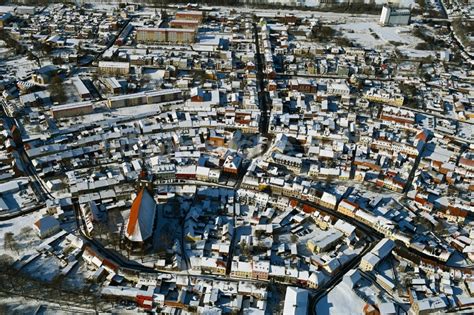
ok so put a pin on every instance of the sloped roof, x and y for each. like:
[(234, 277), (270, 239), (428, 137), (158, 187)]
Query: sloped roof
[(296, 301), (46, 223), (142, 217)]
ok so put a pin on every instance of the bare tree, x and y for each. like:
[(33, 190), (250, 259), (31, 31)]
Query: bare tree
[(244, 248), (56, 88), (10, 243), (7, 237), (26, 230)]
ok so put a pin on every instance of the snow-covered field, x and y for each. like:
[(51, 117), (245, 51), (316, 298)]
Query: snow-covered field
[(361, 32)]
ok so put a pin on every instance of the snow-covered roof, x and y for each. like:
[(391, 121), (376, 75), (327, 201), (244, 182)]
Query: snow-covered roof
[(296, 301), (328, 198), (383, 248)]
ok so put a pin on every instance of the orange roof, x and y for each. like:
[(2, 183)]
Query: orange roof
[(455, 211), (110, 264), (293, 203), (419, 198), (132, 222), (308, 209), (423, 136), (466, 162)]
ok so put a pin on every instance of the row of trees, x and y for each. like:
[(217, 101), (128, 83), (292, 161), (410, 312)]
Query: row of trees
[(9, 243), (347, 7), (161, 3), (56, 88), (17, 283), (325, 34), (429, 42), (423, 7), (322, 33), (12, 43), (463, 29)]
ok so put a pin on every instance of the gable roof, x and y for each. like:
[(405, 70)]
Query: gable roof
[(46, 223), (142, 216)]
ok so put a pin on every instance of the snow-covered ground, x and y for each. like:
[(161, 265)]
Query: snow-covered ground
[(361, 32), (22, 67), (414, 53), (340, 301), (19, 305), (4, 49), (466, 131), (45, 268), (107, 114), (24, 236), (78, 276), (110, 5)]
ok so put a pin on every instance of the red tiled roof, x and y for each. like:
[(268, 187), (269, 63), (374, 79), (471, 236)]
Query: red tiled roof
[(110, 264), (132, 222), (293, 203), (466, 162), (455, 211), (308, 209), (423, 136)]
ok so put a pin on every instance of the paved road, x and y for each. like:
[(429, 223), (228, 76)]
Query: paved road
[(413, 170), (372, 237), (336, 279), (99, 55), (41, 192), (262, 94)]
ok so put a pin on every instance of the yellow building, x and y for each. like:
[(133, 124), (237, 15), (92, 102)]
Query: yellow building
[(347, 207), (4, 19), (165, 35), (72, 110), (189, 15), (385, 97), (213, 266), (241, 269), (114, 68), (184, 24), (147, 35), (181, 35)]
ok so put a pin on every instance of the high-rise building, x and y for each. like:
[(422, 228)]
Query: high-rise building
[(392, 16)]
